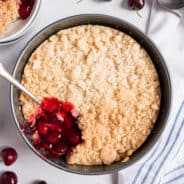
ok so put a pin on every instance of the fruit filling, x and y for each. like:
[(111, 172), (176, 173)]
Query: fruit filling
[(25, 8), (54, 127)]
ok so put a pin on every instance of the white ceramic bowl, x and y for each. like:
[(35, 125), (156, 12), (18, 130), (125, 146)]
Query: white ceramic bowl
[(18, 28)]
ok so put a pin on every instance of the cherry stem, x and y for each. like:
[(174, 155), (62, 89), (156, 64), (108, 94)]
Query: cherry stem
[(137, 11)]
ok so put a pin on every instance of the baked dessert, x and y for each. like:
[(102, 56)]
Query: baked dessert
[(11, 10), (8, 13), (109, 78)]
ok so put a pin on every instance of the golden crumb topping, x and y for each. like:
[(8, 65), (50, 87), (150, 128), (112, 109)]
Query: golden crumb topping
[(112, 82)]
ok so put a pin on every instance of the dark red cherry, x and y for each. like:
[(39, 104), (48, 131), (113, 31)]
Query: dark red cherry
[(67, 106), (68, 123), (25, 8), (31, 4), (47, 146), (50, 104), (24, 12), (40, 182), (75, 139), (8, 178), (9, 155), (59, 150), (25, 2), (42, 128), (136, 4), (53, 137), (55, 126)]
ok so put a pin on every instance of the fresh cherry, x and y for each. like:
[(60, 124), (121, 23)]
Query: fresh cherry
[(8, 178), (9, 155), (40, 182), (136, 4)]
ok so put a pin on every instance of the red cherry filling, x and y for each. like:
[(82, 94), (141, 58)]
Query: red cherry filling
[(51, 104), (8, 178), (9, 155), (74, 138), (53, 137), (54, 128), (25, 2), (25, 8), (59, 150), (42, 128), (24, 12), (67, 106)]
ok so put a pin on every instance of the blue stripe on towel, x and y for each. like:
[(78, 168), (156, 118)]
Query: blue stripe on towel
[(179, 148), (166, 156), (174, 179), (175, 169), (166, 144), (149, 158), (152, 155)]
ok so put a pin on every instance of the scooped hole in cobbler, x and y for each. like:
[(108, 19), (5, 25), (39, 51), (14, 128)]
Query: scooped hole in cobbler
[(54, 127)]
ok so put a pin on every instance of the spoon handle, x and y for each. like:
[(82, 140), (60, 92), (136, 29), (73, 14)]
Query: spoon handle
[(8, 77)]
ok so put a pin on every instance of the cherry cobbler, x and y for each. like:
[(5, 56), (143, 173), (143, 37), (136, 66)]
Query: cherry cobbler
[(109, 79)]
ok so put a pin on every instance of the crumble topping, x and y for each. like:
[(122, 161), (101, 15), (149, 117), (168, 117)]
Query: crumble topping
[(112, 82)]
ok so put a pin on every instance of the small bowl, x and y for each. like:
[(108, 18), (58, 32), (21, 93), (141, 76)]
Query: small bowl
[(18, 28), (145, 42)]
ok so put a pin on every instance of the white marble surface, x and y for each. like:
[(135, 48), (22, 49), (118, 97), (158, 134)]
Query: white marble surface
[(29, 166)]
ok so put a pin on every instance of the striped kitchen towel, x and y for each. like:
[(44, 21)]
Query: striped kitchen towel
[(164, 164)]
